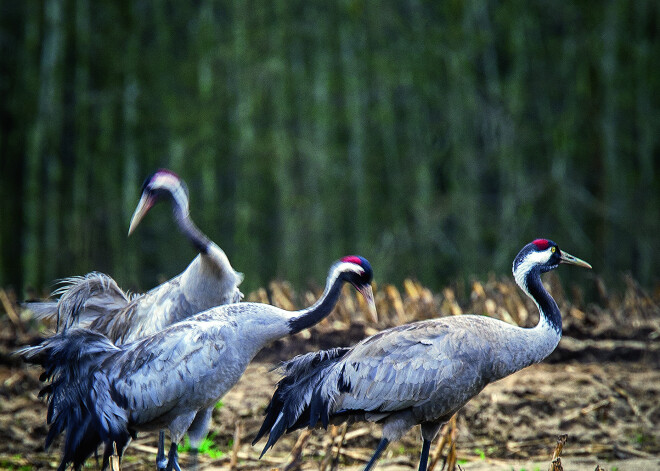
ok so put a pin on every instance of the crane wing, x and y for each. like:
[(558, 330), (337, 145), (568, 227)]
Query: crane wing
[(404, 367), (155, 376)]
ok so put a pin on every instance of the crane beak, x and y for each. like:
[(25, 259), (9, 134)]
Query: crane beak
[(143, 207), (368, 294), (571, 260)]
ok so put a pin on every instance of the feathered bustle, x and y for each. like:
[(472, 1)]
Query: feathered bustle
[(80, 399), (298, 401), (83, 300)]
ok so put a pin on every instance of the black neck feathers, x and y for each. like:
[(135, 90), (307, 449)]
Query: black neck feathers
[(548, 308), (191, 231), (319, 310)]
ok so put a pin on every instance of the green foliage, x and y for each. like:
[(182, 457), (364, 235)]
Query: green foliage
[(434, 138), (207, 447), (11, 464), (481, 453)]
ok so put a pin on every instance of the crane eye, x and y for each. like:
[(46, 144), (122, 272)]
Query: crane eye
[(553, 249)]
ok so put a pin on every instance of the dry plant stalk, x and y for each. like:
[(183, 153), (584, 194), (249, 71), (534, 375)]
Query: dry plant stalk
[(281, 295), (328, 448), (447, 436), (556, 460), (237, 444), (11, 312), (335, 439), (449, 304), (114, 458), (452, 457), (346, 306), (335, 460), (296, 451), (396, 302)]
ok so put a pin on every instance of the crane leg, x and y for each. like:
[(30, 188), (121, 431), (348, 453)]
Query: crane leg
[(379, 449), (424, 458), (161, 459), (194, 459), (173, 458)]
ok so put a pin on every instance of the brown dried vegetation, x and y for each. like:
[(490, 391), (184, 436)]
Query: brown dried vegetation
[(601, 387)]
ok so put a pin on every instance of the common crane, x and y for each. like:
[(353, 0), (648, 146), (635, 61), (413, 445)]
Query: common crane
[(100, 392), (96, 302), (420, 373)]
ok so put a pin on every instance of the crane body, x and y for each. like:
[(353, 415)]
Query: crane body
[(420, 373)]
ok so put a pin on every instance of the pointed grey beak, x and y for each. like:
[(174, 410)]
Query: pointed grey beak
[(143, 207), (571, 260), (368, 294)]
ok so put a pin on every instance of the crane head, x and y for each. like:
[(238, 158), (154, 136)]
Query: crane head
[(357, 271), (162, 184), (544, 255)]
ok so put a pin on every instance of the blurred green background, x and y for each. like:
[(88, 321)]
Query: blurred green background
[(435, 138)]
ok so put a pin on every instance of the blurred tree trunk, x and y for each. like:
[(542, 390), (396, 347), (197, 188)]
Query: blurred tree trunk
[(433, 137), (352, 43), (42, 164)]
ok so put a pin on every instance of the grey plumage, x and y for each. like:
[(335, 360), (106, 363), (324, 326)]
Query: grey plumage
[(103, 393), (83, 300), (96, 302), (420, 373)]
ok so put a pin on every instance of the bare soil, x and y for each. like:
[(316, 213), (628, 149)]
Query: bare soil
[(601, 387)]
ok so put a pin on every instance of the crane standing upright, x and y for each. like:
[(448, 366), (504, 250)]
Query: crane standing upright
[(103, 393), (420, 373), (96, 302)]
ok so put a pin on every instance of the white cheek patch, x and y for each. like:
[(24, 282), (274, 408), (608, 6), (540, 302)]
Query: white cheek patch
[(530, 260), (348, 266)]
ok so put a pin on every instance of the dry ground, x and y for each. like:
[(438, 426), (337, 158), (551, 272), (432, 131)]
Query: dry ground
[(601, 387)]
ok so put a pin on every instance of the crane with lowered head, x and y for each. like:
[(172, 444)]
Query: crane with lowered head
[(420, 373), (100, 392)]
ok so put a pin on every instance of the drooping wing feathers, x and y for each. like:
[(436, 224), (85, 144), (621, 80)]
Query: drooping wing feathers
[(193, 291), (95, 301), (46, 310), (100, 392), (79, 396), (288, 409)]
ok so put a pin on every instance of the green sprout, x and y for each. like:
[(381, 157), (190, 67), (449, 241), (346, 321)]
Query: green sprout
[(207, 447)]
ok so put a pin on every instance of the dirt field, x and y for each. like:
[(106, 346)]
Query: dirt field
[(601, 387)]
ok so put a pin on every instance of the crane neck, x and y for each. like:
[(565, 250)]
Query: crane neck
[(182, 217), (310, 316), (548, 310), (519, 347)]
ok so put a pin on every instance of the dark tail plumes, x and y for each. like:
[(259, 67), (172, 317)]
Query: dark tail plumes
[(79, 394), (297, 401)]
